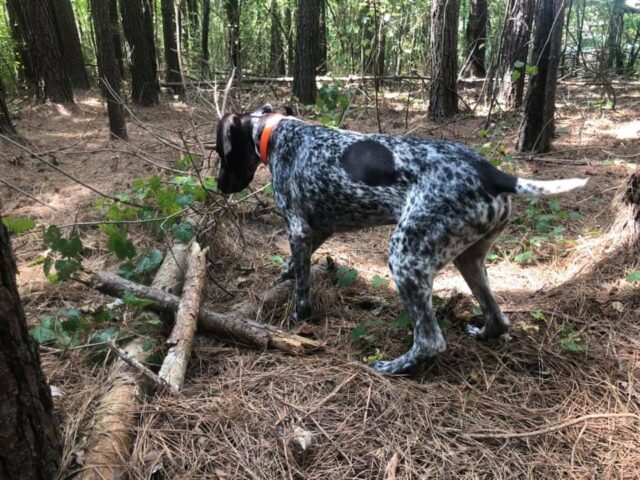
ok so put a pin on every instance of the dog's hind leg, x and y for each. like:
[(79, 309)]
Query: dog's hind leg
[(415, 256), (471, 264)]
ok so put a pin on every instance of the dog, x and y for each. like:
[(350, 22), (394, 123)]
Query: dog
[(448, 202)]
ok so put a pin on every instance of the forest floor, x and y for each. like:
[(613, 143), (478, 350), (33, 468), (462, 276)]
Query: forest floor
[(512, 410)]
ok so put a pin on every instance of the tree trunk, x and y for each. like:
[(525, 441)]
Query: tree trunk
[(288, 27), (172, 60), (70, 42), (114, 18), (476, 35), (19, 35), (110, 79), (6, 125), (322, 42), (31, 442), (614, 56), (537, 127), (41, 34), (232, 8), (516, 49), (443, 99), (204, 40), (137, 22), (307, 37), (276, 52)]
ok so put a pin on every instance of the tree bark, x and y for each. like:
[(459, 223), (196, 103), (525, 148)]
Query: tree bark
[(322, 41), (307, 37), (114, 18), (174, 366), (232, 8), (31, 442), (51, 80), (171, 54), (476, 36), (70, 43), (204, 39), (537, 127), (137, 22), (443, 98), (108, 68), (516, 49), (614, 56), (6, 124), (276, 52), (20, 38)]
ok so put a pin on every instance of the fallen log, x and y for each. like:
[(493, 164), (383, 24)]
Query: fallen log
[(111, 437), (239, 324), (174, 366)]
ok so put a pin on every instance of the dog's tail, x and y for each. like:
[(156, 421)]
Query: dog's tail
[(536, 188)]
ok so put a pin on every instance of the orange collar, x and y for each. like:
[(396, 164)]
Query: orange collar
[(266, 135)]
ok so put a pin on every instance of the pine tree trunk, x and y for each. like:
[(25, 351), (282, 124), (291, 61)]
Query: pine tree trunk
[(614, 56), (114, 18), (232, 8), (276, 52), (204, 40), (108, 68), (307, 37), (516, 49), (476, 36), (443, 99), (288, 27), (368, 22), (41, 34), (537, 127), (18, 24), (172, 60), (322, 41), (6, 125), (70, 42), (137, 22), (31, 442)]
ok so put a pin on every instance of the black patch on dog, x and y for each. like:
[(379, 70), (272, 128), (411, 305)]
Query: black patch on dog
[(494, 181), (369, 162)]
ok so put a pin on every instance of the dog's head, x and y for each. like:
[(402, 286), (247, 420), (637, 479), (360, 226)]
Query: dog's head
[(237, 146)]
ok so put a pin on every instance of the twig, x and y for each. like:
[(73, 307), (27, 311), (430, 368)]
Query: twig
[(163, 384), (552, 428), (66, 174), (27, 194)]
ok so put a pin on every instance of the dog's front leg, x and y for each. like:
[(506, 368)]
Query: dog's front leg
[(318, 237), (300, 239)]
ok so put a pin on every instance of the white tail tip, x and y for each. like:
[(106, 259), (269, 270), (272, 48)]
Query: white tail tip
[(548, 187)]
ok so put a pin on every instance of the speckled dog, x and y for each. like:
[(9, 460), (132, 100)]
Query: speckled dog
[(449, 203)]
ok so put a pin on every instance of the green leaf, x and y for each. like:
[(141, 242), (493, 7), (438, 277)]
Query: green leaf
[(277, 260), (127, 270), (402, 321), (71, 247), (48, 263), (118, 242), (532, 70), (515, 75), (538, 315), (483, 133), (51, 236), (437, 300), (65, 268), (131, 300), (43, 334), (150, 262), (525, 257), (518, 64), (346, 276), (377, 281), (101, 336), (18, 225), (573, 344), (182, 232), (357, 333), (633, 276)]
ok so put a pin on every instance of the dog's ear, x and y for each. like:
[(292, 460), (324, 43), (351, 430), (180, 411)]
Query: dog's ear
[(288, 111), (267, 109), (224, 136)]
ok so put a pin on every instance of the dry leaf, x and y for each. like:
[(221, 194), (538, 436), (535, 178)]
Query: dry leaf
[(392, 467), (302, 437), (56, 391), (617, 306)]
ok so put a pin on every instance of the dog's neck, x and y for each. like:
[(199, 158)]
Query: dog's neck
[(267, 127)]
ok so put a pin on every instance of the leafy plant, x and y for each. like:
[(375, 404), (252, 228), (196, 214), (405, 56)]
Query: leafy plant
[(633, 276), (18, 225), (331, 103), (63, 256), (377, 281), (570, 341), (346, 276)]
